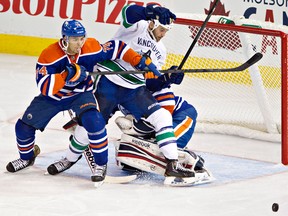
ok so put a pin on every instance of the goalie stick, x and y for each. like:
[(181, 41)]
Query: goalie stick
[(90, 161), (254, 59)]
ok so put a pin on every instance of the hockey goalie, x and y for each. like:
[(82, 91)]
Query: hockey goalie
[(137, 150)]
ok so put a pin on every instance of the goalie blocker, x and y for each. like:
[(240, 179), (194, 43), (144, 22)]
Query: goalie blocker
[(136, 153)]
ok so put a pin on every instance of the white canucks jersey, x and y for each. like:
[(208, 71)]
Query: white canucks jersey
[(139, 39)]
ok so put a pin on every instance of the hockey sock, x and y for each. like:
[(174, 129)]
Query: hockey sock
[(25, 136), (94, 124)]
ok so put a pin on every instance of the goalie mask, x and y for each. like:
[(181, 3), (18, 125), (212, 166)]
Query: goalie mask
[(158, 33)]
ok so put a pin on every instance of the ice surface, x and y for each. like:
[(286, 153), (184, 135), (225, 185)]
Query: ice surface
[(249, 176)]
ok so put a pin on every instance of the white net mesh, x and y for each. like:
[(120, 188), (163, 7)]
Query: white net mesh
[(244, 103)]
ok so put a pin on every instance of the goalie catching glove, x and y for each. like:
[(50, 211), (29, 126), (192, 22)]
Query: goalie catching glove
[(75, 74)]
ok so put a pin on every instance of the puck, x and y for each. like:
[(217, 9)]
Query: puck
[(275, 207)]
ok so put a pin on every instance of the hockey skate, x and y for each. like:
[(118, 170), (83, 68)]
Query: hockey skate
[(175, 169), (99, 174), (176, 175), (20, 164), (61, 166)]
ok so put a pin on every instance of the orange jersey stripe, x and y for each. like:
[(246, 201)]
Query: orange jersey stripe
[(59, 83), (99, 145), (45, 86), (25, 148), (132, 57), (170, 108), (164, 97), (183, 127)]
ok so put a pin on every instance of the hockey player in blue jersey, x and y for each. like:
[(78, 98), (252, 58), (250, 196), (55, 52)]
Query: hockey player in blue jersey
[(64, 84), (143, 32)]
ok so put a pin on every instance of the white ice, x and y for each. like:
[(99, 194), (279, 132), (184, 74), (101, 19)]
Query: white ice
[(249, 175)]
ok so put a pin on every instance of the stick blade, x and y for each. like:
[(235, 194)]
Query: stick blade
[(119, 179), (255, 58)]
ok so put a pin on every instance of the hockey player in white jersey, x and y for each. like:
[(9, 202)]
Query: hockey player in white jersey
[(142, 28)]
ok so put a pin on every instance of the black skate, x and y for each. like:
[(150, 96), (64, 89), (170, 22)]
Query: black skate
[(61, 166), (177, 175), (20, 164), (175, 169), (99, 174)]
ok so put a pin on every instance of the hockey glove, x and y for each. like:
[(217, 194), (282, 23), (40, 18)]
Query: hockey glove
[(170, 78), (147, 65), (154, 84), (76, 74), (164, 15), (177, 77)]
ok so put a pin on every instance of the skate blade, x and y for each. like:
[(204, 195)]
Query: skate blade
[(200, 178), (179, 182)]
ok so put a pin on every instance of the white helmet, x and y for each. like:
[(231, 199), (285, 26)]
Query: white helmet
[(157, 23)]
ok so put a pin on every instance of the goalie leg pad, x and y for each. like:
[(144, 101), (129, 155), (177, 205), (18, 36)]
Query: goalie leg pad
[(140, 154), (145, 155)]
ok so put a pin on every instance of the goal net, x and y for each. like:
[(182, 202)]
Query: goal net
[(250, 103)]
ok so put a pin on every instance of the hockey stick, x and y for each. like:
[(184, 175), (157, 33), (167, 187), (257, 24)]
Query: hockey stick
[(198, 35), (255, 58)]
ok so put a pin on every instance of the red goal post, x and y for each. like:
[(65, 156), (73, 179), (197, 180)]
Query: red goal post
[(252, 103)]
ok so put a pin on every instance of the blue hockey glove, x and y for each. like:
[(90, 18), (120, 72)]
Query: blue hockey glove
[(164, 15), (147, 65), (154, 84), (177, 77), (170, 78), (164, 81), (76, 74)]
